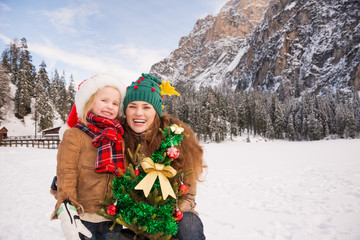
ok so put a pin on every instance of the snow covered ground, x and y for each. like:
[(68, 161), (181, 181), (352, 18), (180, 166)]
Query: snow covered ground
[(259, 190)]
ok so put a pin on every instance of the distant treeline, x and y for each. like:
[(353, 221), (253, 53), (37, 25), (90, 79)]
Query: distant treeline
[(216, 115)]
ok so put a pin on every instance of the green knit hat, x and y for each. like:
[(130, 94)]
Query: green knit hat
[(147, 89)]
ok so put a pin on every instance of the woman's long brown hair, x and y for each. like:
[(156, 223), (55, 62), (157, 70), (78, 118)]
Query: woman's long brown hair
[(191, 153)]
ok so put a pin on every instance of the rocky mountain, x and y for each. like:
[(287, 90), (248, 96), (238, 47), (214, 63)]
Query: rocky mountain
[(283, 46)]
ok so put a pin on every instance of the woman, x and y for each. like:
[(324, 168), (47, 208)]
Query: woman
[(143, 118)]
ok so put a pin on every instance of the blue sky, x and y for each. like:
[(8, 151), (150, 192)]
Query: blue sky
[(84, 37)]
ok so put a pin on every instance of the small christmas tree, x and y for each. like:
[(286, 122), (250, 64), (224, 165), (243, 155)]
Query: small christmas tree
[(144, 198)]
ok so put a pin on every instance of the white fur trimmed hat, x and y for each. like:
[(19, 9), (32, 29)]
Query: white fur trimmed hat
[(89, 86)]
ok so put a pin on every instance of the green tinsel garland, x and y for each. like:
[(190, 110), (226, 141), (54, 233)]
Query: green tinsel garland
[(151, 217)]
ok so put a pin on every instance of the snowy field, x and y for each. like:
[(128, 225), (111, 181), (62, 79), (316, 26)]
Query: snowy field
[(260, 190)]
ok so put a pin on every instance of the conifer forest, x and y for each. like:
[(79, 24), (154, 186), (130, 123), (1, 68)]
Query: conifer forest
[(37, 93)]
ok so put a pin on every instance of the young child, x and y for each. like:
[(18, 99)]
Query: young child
[(89, 156)]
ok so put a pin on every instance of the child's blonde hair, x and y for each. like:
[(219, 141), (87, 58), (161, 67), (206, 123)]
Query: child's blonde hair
[(90, 104)]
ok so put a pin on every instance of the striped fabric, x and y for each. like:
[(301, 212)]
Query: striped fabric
[(106, 135)]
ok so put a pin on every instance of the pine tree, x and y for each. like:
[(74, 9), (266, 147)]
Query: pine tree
[(290, 128), (308, 109), (322, 116), (5, 62), (222, 110), (18, 63), (278, 118), (356, 104), (209, 115), (4, 91), (22, 99), (61, 101), (248, 112), (199, 120), (331, 112), (298, 121), (26, 68), (314, 127), (10, 60), (184, 111), (260, 112), (233, 117), (71, 94), (53, 88), (340, 120), (270, 133), (192, 106), (350, 122), (43, 112), (240, 111)]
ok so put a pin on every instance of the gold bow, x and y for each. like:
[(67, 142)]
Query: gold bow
[(153, 171), (176, 129)]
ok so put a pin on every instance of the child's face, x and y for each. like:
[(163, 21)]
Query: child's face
[(107, 102)]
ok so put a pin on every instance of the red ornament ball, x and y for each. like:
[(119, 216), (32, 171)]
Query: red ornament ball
[(173, 152), (178, 215), (137, 172), (111, 210), (183, 188), (153, 89), (135, 87), (142, 78)]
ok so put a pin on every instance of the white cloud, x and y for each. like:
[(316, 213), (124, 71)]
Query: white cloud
[(70, 18), (91, 64), (126, 62), (5, 39), (143, 57)]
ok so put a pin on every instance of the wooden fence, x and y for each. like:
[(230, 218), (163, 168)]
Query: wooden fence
[(49, 143)]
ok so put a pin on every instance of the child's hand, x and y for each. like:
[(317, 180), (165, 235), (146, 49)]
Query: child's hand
[(71, 224)]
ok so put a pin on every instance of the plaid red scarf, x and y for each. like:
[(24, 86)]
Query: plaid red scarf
[(106, 135)]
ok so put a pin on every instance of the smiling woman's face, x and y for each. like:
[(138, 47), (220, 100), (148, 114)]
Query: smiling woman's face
[(140, 115)]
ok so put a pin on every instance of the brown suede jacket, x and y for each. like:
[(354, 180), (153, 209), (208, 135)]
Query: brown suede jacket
[(76, 178)]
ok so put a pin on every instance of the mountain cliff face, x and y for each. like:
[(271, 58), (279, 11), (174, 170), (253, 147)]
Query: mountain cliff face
[(211, 46), (283, 46)]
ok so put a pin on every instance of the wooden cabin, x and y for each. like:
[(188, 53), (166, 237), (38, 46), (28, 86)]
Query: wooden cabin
[(51, 133), (3, 133)]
